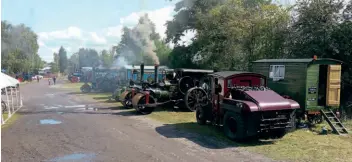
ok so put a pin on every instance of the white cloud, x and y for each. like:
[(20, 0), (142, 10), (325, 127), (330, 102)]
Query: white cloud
[(97, 39), (41, 43), (69, 33), (114, 31), (73, 38)]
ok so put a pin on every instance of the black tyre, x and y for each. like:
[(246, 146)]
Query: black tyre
[(201, 116), (277, 134), (234, 126), (85, 88), (127, 101)]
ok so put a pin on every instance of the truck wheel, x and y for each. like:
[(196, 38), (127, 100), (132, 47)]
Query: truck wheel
[(234, 126), (200, 116), (277, 134)]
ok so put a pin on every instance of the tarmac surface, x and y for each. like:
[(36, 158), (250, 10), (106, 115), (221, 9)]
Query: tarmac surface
[(55, 125)]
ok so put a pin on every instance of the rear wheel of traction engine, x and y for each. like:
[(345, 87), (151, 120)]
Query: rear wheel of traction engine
[(196, 98), (139, 101), (126, 99), (234, 127), (85, 88), (185, 83)]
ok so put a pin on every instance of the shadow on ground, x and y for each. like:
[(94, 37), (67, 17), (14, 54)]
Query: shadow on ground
[(206, 136)]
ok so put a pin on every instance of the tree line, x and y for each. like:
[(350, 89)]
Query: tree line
[(19, 49), (233, 33), (230, 34), (138, 44)]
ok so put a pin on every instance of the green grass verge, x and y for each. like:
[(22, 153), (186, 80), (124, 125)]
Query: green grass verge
[(10, 121), (301, 145), (75, 88), (71, 86)]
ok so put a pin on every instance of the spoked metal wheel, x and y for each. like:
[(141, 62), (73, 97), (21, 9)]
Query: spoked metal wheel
[(85, 88), (185, 84), (196, 97)]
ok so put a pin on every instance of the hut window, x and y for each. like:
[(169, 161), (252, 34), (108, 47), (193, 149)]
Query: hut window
[(277, 72)]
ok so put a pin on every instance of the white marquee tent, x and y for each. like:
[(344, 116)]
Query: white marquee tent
[(7, 81), (11, 100)]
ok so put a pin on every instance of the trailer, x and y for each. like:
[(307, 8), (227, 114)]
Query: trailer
[(314, 83)]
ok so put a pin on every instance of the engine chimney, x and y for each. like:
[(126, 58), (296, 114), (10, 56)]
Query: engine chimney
[(142, 72), (156, 66)]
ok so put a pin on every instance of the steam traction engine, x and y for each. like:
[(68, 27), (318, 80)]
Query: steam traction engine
[(170, 92), (135, 86), (243, 105)]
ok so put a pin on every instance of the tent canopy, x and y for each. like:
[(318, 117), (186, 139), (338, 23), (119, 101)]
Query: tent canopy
[(6, 81)]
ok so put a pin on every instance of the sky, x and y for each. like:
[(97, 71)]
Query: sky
[(84, 23)]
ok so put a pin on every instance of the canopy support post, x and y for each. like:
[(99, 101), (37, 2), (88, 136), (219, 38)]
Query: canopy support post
[(8, 103)]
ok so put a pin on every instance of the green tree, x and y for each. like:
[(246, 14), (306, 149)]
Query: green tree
[(88, 58), (73, 63), (162, 51), (62, 59), (55, 64), (107, 58), (19, 48)]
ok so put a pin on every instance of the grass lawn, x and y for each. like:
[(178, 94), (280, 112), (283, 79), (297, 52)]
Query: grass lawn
[(301, 145), (10, 121), (75, 88)]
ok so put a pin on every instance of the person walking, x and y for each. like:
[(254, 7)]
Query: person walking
[(54, 79), (38, 78)]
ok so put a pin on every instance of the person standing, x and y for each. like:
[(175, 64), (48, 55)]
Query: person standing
[(38, 78)]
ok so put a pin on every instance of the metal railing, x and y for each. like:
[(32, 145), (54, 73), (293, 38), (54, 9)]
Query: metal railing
[(11, 102)]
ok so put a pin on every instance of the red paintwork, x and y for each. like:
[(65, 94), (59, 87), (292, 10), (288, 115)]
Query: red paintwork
[(250, 105), (146, 97), (294, 104), (237, 80), (269, 100)]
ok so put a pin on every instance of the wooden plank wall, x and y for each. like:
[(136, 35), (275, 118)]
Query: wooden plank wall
[(294, 83)]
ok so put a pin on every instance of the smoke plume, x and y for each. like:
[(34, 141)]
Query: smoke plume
[(120, 62), (141, 35)]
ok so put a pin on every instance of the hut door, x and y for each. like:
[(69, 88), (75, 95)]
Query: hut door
[(333, 85)]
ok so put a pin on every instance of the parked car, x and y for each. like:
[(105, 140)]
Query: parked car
[(35, 77)]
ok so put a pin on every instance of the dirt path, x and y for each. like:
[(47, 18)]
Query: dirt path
[(73, 133)]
